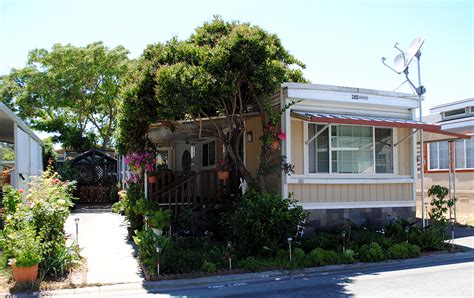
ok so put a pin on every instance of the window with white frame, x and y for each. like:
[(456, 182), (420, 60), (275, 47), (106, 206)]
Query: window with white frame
[(439, 155), (349, 149), (209, 154)]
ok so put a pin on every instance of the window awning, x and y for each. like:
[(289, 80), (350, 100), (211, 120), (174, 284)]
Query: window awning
[(374, 121)]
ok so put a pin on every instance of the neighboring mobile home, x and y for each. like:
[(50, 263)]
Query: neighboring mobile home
[(353, 151), (28, 150), (458, 117)]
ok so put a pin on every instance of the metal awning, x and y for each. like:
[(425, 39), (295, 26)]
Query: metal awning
[(374, 121)]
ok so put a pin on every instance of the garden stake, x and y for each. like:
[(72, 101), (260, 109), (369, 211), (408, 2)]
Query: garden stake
[(229, 247), (343, 234), (76, 220), (158, 250)]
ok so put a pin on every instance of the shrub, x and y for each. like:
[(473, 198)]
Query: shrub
[(299, 258), (349, 256), (439, 204), (43, 209), (371, 253), (429, 238), (322, 257), (24, 247), (50, 201), (403, 251), (258, 264), (264, 220), (325, 240), (158, 219), (147, 242), (399, 251), (209, 267), (368, 236)]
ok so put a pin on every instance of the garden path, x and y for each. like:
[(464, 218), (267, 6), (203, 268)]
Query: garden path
[(103, 240)]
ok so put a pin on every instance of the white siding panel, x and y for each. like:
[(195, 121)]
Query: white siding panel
[(22, 150)]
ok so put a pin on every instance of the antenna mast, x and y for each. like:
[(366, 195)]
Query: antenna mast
[(401, 65)]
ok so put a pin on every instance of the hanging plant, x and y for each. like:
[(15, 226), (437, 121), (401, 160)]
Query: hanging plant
[(273, 136), (223, 169)]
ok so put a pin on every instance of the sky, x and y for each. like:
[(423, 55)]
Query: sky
[(341, 42)]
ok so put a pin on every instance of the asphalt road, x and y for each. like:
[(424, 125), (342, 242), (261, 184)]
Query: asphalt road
[(448, 275)]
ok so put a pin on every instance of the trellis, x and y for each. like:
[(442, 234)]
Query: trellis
[(96, 177)]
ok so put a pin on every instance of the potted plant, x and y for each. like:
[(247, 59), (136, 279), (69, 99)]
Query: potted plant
[(151, 174), (157, 220), (273, 137), (26, 252), (223, 169)]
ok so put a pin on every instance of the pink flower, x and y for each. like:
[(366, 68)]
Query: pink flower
[(21, 190)]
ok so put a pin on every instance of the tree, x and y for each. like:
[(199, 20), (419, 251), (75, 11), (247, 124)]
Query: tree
[(71, 91), (221, 70)]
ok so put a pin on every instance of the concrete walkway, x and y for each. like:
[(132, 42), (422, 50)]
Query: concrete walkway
[(103, 240)]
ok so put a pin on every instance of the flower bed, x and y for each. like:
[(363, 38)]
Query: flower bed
[(34, 226)]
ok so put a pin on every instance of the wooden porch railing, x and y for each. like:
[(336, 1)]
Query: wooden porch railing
[(185, 190)]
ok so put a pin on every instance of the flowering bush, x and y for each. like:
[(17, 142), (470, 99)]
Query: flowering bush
[(272, 133), (43, 208), (138, 161)]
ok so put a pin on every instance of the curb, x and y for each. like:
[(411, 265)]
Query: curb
[(233, 279)]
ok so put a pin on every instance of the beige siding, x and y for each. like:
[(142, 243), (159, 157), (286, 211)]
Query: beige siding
[(404, 152), (253, 149), (464, 192), (297, 145), (328, 193)]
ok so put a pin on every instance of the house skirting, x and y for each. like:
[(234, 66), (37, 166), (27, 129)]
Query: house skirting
[(320, 218)]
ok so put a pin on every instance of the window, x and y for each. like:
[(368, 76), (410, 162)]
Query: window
[(383, 150), (439, 155), (319, 149), (350, 149), (465, 154), (209, 154), (454, 113)]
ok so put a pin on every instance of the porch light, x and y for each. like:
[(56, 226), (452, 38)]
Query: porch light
[(250, 137), (193, 150)]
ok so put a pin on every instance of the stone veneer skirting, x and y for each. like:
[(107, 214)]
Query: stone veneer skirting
[(320, 218)]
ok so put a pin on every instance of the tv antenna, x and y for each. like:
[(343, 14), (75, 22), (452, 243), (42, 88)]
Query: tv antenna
[(401, 64)]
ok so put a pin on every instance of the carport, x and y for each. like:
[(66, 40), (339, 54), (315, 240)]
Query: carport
[(27, 146)]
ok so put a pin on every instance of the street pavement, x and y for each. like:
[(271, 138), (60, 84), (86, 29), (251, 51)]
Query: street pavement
[(103, 239), (440, 275)]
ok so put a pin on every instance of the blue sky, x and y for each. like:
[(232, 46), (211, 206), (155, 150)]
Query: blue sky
[(341, 42)]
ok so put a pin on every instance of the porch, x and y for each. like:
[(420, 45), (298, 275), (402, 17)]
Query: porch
[(176, 190)]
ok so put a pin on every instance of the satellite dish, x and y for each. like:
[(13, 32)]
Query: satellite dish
[(400, 63), (413, 49), (415, 46), (403, 60)]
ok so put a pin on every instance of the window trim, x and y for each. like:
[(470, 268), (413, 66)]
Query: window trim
[(374, 174)]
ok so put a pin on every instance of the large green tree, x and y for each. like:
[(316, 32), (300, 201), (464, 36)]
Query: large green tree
[(224, 69), (71, 91)]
